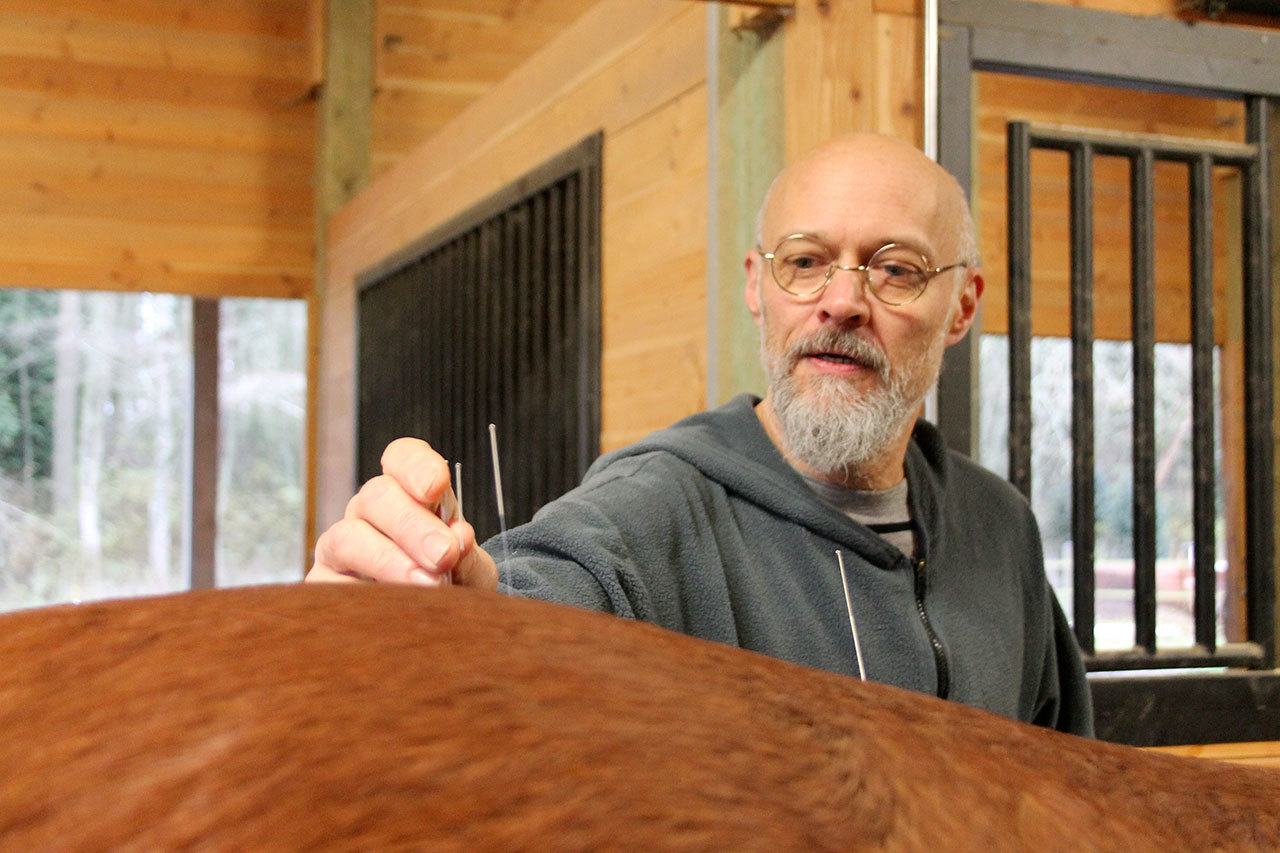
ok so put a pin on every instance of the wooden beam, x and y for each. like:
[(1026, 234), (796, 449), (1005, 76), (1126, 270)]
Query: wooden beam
[(775, 4), (344, 133), (204, 453), (748, 146)]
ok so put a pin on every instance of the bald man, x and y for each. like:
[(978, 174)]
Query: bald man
[(726, 525)]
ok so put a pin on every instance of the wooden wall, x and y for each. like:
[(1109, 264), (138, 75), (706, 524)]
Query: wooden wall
[(156, 145), (434, 58), (635, 69), (1263, 754)]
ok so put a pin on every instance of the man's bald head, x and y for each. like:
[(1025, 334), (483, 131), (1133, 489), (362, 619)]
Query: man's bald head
[(837, 165)]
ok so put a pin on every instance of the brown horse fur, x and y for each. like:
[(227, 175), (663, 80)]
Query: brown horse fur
[(373, 717)]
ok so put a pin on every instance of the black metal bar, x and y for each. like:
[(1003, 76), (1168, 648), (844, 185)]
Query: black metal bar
[(1082, 489), (1019, 246), (569, 304), (491, 353), (589, 383), (1204, 508), (1122, 143), (536, 381), (524, 403), (1227, 654), (506, 414), (1259, 384), (1142, 283), (556, 422)]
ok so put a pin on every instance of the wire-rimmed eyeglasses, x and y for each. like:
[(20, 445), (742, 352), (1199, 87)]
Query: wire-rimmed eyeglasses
[(895, 274)]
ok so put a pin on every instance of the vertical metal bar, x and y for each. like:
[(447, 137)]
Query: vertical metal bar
[(429, 341), (555, 331), (1019, 248), (1260, 182), (1082, 457), (524, 475), (1202, 398), (537, 425), (468, 355), (204, 468), (572, 339), (508, 412), (958, 383), (490, 353), (1142, 283), (589, 359)]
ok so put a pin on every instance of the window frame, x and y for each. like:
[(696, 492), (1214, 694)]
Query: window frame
[(1154, 54)]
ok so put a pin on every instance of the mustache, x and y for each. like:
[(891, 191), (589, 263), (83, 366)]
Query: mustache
[(843, 343)]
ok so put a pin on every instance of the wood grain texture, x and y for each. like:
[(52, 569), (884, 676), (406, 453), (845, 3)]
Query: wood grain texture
[(156, 145), (437, 57), (1258, 753)]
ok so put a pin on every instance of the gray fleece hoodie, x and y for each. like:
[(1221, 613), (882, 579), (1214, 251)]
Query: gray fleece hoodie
[(705, 529)]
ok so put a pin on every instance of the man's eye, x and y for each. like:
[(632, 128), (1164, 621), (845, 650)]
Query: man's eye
[(895, 270), (804, 263)]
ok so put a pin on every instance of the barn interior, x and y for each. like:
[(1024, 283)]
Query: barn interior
[(230, 227)]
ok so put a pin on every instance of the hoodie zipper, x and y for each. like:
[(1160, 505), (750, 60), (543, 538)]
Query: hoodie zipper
[(939, 653)]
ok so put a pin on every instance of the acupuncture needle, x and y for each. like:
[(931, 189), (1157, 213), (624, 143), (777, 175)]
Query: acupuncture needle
[(457, 487), (853, 624), (457, 495), (497, 490)]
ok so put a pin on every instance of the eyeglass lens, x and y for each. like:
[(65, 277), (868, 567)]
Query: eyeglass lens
[(802, 266)]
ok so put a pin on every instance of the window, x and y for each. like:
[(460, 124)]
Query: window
[(96, 400)]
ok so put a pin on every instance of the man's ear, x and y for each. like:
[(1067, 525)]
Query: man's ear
[(966, 306), (754, 266)]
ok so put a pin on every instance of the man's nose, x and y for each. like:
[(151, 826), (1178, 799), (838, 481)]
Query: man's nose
[(847, 297)]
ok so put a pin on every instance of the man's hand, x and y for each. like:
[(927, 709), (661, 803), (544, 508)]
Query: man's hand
[(403, 527)]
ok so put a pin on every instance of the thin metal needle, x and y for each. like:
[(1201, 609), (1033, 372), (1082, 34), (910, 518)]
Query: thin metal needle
[(497, 490), (457, 486), (853, 624)]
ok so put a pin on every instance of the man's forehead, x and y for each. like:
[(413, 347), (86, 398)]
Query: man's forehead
[(886, 188)]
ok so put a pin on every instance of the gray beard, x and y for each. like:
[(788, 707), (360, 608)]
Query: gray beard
[(828, 424)]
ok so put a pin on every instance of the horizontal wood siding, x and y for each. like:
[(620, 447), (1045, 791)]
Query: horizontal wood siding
[(159, 145)]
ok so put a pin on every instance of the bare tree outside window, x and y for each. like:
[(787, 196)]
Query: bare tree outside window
[(95, 444), (1113, 449)]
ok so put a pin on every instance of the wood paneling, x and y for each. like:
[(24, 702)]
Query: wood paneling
[(156, 144), (635, 69), (1258, 754), (655, 270), (437, 57)]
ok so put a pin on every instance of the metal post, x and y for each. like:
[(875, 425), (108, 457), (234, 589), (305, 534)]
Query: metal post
[(1082, 488), (1019, 245), (1142, 282)]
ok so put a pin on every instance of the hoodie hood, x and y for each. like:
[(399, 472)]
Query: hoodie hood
[(729, 446)]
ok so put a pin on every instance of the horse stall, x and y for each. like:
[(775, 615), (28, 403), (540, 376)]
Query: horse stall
[(534, 213)]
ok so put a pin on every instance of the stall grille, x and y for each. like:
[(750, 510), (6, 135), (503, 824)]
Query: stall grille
[(495, 317), (1200, 156)]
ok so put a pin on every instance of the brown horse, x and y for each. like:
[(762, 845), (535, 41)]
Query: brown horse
[(374, 717)]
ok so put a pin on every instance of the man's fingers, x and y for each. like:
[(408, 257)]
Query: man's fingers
[(355, 548), (475, 568), (324, 574), (420, 471), (415, 529)]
